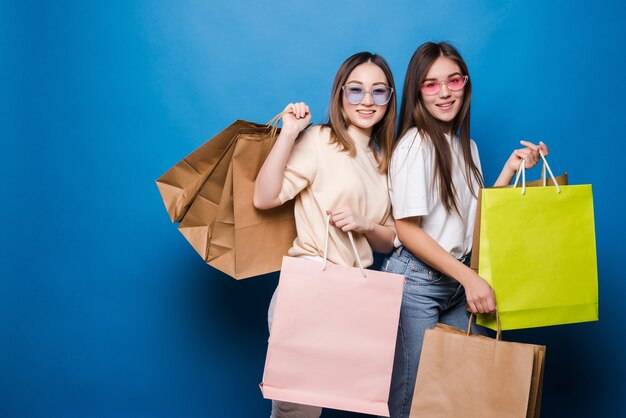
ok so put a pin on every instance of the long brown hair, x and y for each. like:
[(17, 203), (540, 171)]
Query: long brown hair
[(413, 112), (381, 140)]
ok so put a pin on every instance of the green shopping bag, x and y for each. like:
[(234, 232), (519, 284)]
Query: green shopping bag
[(537, 250)]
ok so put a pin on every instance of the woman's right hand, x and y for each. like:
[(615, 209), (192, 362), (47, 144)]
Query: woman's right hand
[(480, 296), (296, 117), (530, 155)]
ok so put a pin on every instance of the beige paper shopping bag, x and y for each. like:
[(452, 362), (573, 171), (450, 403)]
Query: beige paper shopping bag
[(471, 376)]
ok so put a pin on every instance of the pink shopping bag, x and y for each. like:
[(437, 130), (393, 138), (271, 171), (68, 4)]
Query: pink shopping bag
[(333, 336)]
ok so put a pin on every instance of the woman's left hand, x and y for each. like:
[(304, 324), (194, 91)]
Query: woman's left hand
[(530, 154), (348, 220)]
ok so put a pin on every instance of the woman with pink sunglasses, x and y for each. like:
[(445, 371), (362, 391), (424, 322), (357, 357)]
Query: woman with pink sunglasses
[(435, 175)]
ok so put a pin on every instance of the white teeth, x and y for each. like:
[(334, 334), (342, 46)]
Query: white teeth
[(445, 105), (367, 112)]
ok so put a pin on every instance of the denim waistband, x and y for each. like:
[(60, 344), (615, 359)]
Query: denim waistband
[(407, 256)]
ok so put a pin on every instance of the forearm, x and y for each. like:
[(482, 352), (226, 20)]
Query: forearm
[(380, 238), (505, 176), (270, 178), (480, 296), (428, 250)]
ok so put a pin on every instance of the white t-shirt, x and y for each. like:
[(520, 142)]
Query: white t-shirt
[(414, 192)]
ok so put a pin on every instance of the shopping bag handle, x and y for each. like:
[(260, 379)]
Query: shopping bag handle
[(273, 123), (356, 253), (498, 332), (522, 170)]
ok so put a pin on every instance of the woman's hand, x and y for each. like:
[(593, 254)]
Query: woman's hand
[(348, 220), (379, 237), (269, 181), (480, 296), (296, 117), (530, 154)]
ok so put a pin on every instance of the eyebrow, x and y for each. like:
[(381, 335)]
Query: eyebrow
[(375, 84), (451, 75)]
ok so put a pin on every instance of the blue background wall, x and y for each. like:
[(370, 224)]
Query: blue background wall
[(106, 311)]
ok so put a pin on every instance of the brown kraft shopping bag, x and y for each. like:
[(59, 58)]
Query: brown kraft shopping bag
[(222, 224), (471, 376), (180, 184)]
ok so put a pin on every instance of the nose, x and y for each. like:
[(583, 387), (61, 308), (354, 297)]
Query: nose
[(368, 99), (444, 91)]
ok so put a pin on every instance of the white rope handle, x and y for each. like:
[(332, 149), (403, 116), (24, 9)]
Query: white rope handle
[(352, 243), (545, 166), (522, 170), (326, 241), (356, 254)]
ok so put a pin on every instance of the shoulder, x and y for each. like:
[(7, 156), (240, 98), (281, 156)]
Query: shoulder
[(473, 146), (313, 137), (411, 138), (411, 143), (314, 133), (411, 153)]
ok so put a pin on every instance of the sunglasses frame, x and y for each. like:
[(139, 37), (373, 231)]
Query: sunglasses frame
[(441, 83), (366, 92)]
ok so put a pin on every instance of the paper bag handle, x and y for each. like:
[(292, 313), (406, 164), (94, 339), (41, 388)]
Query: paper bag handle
[(522, 170), (273, 123), (498, 332), (356, 253)]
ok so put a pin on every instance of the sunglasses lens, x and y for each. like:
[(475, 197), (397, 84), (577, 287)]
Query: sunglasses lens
[(456, 83), (354, 94), (430, 87), (381, 95)]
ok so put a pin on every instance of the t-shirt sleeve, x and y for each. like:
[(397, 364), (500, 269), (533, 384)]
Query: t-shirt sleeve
[(409, 177), (475, 156), (301, 165)]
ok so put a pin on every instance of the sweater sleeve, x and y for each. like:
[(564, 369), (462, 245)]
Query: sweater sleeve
[(301, 166)]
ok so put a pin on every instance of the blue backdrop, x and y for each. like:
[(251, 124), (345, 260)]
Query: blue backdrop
[(106, 311)]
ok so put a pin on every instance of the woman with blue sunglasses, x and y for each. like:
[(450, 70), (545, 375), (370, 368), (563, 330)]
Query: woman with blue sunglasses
[(337, 169)]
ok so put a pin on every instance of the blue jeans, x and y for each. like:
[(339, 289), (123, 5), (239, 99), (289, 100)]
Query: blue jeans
[(429, 297)]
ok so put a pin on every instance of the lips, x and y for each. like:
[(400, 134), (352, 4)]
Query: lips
[(446, 105), (366, 113)]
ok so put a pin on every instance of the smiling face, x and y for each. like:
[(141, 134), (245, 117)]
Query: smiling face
[(366, 114), (445, 105)]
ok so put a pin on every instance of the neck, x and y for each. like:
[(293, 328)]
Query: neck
[(359, 135), (363, 131)]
